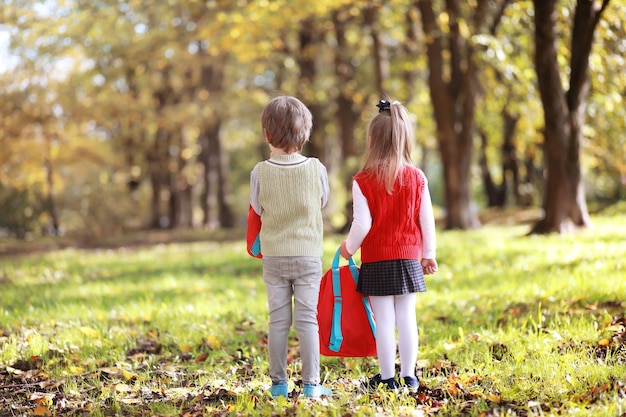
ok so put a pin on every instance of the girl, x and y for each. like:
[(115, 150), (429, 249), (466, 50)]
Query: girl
[(394, 227)]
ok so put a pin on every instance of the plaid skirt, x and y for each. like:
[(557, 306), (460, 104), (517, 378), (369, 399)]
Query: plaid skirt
[(395, 277)]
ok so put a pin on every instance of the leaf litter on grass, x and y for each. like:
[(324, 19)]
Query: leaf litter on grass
[(136, 388), (32, 391), (26, 387), (166, 361)]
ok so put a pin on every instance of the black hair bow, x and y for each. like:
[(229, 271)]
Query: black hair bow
[(383, 105)]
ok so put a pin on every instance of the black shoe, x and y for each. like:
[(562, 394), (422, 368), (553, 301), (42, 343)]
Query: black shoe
[(410, 382), (376, 380)]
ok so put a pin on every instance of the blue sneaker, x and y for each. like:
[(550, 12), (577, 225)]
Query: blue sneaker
[(315, 391), (280, 389)]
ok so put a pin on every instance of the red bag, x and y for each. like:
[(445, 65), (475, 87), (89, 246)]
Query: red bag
[(346, 322), (253, 241)]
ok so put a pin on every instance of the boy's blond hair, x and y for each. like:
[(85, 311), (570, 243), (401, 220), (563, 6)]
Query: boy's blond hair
[(286, 123), (389, 140)]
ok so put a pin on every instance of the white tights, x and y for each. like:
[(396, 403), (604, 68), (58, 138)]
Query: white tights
[(391, 312)]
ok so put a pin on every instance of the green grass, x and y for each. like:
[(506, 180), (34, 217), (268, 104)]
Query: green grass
[(511, 325)]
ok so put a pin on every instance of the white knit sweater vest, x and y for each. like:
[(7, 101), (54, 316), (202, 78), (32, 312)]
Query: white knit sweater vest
[(290, 192)]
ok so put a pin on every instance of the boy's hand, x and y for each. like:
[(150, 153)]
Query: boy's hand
[(344, 252), (429, 266)]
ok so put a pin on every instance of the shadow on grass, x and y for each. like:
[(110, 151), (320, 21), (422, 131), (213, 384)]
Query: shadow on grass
[(123, 287), (10, 247)]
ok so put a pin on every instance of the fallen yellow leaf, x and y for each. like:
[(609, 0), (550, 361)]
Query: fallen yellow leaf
[(41, 411), (76, 369), (213, 342), (122, 388), (110, 371), (476, 394), (493, 397), (128, 375), (452, 389), (88, 331)]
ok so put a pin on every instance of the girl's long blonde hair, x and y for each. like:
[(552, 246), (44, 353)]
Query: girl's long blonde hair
[(389, 140)]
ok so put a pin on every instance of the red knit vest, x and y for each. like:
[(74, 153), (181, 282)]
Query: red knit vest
[(395, 232)]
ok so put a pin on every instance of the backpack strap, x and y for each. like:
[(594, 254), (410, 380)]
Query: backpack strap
[(336, 336), (366, 301), (370, 315)]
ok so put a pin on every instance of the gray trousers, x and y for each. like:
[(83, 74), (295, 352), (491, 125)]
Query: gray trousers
[(293, 280)]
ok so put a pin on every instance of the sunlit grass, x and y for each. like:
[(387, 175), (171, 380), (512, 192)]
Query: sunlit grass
[(510, 325)]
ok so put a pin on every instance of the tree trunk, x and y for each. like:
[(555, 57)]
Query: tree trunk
[(309, 38), (497, 194), (564, 200), (51, 197), (225, 213), (412, 50), (347, 114), (158, 165), (184, 186), (206, 201), (217, 212), (164, 142), (155, 201), (510, 161), (454, 102), (212, 155), (379, 52), (177, 182), (493, 193)]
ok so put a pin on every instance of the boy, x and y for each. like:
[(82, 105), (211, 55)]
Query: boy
[(288, 192)]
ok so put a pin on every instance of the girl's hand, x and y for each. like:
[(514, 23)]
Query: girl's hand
[(344, 252), (429, 266)]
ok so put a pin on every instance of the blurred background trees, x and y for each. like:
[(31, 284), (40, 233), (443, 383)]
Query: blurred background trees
[(120, 115)]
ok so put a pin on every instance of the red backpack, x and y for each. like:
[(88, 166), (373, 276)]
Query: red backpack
[(346, 322), (253, 242)]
